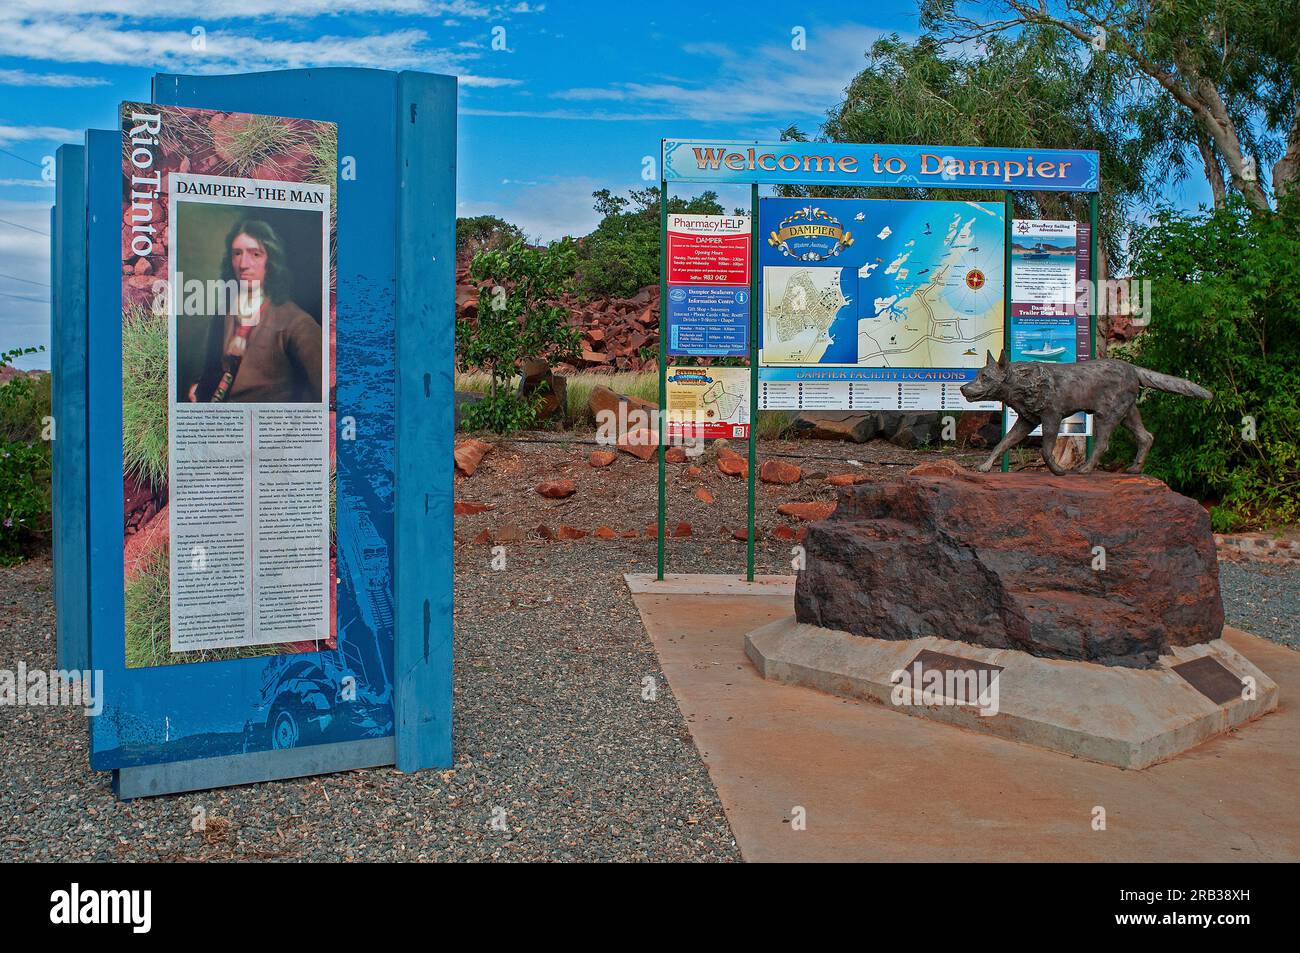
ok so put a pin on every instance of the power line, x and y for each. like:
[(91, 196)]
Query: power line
[(23, 298), (29, 228), (22, 158), (26, 281)]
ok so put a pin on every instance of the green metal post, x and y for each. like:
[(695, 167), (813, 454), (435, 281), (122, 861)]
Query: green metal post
[(753, 376), (1009, 213), (663, 369), (1093, 292)]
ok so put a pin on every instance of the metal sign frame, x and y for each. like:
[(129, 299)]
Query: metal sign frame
[(840, 164)]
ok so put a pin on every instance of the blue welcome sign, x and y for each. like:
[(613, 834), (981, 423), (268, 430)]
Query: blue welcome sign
[(930, 167), (331, 646)]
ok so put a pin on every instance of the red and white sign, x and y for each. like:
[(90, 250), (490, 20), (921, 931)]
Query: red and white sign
[(708, 249)]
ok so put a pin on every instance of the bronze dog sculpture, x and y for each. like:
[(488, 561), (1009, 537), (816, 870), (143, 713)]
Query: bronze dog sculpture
[(1048, 393)]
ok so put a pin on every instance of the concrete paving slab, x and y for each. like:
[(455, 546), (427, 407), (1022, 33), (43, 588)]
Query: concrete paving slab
[(708, 584), (875, 785), (1130, 718)]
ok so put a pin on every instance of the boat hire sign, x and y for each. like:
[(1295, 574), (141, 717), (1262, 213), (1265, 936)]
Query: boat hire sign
[(1049, 291), (905, 166), (1050, 272)]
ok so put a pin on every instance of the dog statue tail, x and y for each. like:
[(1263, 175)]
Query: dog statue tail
[(1171, 384)]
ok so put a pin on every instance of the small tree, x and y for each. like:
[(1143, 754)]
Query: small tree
[(622, 255), (517, 318), (1227, 287), (485, 233)]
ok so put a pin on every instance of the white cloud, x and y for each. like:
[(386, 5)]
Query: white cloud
[(12, 134), (109, 41), (591, 93), (547, 210), (572, 114), (27, 183), (106, 41), (18, 77), (772, 81), (205, 10), (720, 50), (24, 308), (487, 82)]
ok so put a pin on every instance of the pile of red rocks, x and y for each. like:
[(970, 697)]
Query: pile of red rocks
[(1101, 568), (566, 533), (906, 429), (618, 334)]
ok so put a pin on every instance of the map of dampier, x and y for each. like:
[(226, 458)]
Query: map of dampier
[(708, 401), (720, 404), (801, 305), (920, 286)]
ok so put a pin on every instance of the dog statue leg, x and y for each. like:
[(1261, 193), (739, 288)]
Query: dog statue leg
[(1051, 427), (1016, 434), (1133, 421), (1105, 426)]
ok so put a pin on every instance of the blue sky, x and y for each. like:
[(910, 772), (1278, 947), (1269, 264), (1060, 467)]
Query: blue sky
[(579, 95)]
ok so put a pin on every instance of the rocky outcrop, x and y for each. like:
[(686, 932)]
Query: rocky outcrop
[(538, 382), (907, 429), (854, 426), (617, 334), (1011, 561)]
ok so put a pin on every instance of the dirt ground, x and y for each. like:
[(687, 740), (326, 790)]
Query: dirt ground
[(552, 724), (623, 496)]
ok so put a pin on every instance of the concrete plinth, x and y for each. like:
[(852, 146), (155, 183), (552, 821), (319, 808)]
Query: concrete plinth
[(1130, 718)]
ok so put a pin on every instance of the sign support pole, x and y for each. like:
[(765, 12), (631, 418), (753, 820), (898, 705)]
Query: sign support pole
[(1009, 213), (663, 370), (753, 378), (1093, 278)]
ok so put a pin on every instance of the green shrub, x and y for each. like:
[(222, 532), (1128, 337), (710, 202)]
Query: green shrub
[(516, 318), (485, 233), (25, 408), (1225, 312), (25, 418), (621, 256), (24, 498)]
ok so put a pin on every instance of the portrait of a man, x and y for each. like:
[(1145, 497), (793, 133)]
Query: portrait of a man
[(266, 349)]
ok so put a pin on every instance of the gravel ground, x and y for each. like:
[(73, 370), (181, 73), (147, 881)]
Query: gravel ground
[(1263, 599), (549, 725), (549, 721)]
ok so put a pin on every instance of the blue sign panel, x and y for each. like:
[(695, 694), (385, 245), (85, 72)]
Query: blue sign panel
[(840, 375), (379, 690), (930, 167), (708, 321), (881, 283)]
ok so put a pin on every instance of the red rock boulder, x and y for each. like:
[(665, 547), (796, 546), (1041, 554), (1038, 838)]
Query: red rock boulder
[(1009, 560), (779, 472)]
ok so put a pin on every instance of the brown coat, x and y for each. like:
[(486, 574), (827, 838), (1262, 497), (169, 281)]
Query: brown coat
[(282, 362)]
